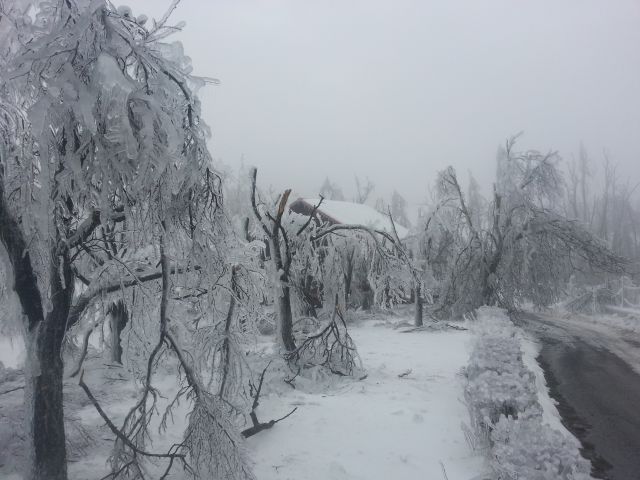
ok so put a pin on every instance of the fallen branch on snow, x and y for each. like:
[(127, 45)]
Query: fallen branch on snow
[(257, 425)]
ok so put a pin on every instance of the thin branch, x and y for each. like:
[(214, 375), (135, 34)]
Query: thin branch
[(86, 228), (90, 294), (254, 174), (12, 390), (257, 425), (311, 215), (85, 348), (117, 431)]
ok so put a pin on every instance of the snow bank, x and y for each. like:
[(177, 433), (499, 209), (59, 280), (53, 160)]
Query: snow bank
[(381, 427), (550, 414), (505, 409)]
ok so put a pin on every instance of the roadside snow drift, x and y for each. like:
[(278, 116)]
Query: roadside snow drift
[(509, 416)]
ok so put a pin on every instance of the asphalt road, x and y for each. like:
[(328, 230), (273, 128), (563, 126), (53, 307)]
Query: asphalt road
[(598, 392)]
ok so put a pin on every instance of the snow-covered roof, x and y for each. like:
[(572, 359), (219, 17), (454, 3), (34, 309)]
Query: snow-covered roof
[(350, 213)]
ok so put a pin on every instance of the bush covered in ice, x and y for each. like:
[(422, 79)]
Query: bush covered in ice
[(526, 448), (498, 383), (502, 399), (492, 394)]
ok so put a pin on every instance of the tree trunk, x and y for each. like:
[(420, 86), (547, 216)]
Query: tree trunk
[(225, 352), (348, 279), (488, 291), (418, 311), (387, 296), (286, 319), (44, 334), (119, 320), (285, 313), (247, 233), (368, 296), (43, 400), (44, 410), (309, 298)]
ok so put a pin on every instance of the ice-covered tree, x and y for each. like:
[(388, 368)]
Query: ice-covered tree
[(331, 191), (363, 190), (302, 245), (398, 209), (107, 194), (524, 249)]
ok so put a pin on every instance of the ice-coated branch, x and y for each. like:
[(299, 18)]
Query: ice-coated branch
[(118, 433), (256, 211), (94, 291), (311, 216), (86, 228), (332, 348), (258, 426)]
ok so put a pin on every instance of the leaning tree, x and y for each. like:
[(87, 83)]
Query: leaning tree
[(522, 247), (107, 195)]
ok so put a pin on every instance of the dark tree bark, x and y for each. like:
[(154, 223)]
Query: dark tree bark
[(418, 311), (247, 233), (47, 414), (310, 297), (286, 319), (226, 347), (367, 295), (118, 321), (43, 384), (348, 276)]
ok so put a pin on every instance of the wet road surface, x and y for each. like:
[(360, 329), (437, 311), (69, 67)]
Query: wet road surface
[(598, 394)]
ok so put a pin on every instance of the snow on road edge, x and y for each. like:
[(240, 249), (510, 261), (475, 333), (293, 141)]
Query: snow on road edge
[(511, 412), (550, 415)]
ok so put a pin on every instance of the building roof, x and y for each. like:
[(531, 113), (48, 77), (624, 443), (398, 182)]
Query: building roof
[(349, 213)]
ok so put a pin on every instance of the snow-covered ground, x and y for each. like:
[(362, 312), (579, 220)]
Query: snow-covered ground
[(381, 427), (11, 351)]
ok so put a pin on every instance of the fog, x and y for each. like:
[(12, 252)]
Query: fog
[(396, 90), (460, 333)]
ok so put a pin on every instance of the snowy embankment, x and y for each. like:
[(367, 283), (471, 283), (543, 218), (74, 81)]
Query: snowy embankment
[(512, 415), (384, 426)]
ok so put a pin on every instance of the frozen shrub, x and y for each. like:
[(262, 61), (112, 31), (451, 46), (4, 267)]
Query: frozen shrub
[(505, 414), (492, 394), (526, 448), (493, 353), (498, 382)]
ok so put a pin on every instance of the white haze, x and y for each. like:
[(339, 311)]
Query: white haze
[(396, 90)]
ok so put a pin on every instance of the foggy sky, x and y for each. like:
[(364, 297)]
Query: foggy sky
[(397, 89)]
